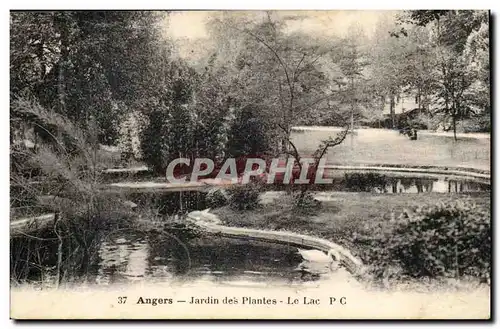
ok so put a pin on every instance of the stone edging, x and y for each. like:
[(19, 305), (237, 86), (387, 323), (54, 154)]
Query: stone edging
[(211, 223), (435, 170)]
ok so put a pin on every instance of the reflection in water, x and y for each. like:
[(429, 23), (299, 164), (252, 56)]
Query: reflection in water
[(386, 184), (122, 260), (127, 257)]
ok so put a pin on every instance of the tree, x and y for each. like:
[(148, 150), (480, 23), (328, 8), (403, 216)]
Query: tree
[(82, 63), (282, 78), (418, 65), (352, 62), (456, 58), (170, 118), (216, 104), (247, 135), (281, 73), (388, 66), (476, 55), (454, 81)]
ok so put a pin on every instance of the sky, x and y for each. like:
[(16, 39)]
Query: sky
[(191, 24)]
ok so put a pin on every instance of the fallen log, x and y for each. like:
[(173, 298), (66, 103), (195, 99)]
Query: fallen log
[(27, 225)]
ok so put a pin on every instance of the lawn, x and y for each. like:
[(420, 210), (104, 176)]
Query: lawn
[(382, 146)]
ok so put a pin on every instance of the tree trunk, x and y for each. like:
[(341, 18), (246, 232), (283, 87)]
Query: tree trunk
[(180, 193), (419, 101), (85, 262), (455, 127), (59, 251), (61, 79), (302, 195), (353, 104), (41, 77), (393, 112)]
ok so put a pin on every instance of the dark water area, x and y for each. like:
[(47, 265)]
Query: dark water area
[(129, 257), (169, 203), (378, 183), (174, 255), (172, 202), (182, 202)]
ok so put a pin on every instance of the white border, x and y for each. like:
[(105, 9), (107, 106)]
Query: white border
[(251, 5), (199, 4)]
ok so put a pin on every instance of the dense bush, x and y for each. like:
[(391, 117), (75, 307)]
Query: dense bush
[(364, 182), (247, 135), (217, 198), (481, 123), (451, 239), (423, 121), (245, 197)]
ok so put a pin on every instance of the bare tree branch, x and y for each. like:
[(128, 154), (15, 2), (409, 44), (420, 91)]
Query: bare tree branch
[(307, 106), (294, 75), (330, 142), (295, 153), (275, 53)]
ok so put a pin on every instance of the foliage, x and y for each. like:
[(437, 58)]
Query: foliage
[(215, 106), (217, 198), (449, 239), (450, 63), (454, 99), (364, 182), (351, 56), (305, 204), (247, 134), (129, 135), (170, 120), (283, 75), (84, 63), (244, 197), (475, 124), (67, 183)]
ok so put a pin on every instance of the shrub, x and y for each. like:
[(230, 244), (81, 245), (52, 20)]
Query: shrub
[(245, 197), (217, 198), (480, 123), (306, 203), (247, 134), (364, 182), (449, 239)]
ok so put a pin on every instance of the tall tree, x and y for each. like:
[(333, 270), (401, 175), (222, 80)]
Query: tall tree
[(454, 81), (81, 63), (352, 61), (388, 66), (280, 72)]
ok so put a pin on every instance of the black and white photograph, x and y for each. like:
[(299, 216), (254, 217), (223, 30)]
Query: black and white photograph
[(250, 164)]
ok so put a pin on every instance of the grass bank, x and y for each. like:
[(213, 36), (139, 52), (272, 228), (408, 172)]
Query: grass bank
[(344, 216)]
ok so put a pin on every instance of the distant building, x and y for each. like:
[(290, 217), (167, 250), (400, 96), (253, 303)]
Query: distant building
[(405, 108), (404, 103)]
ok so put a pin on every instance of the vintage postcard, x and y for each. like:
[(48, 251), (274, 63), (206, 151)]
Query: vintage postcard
[(250, 164)]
